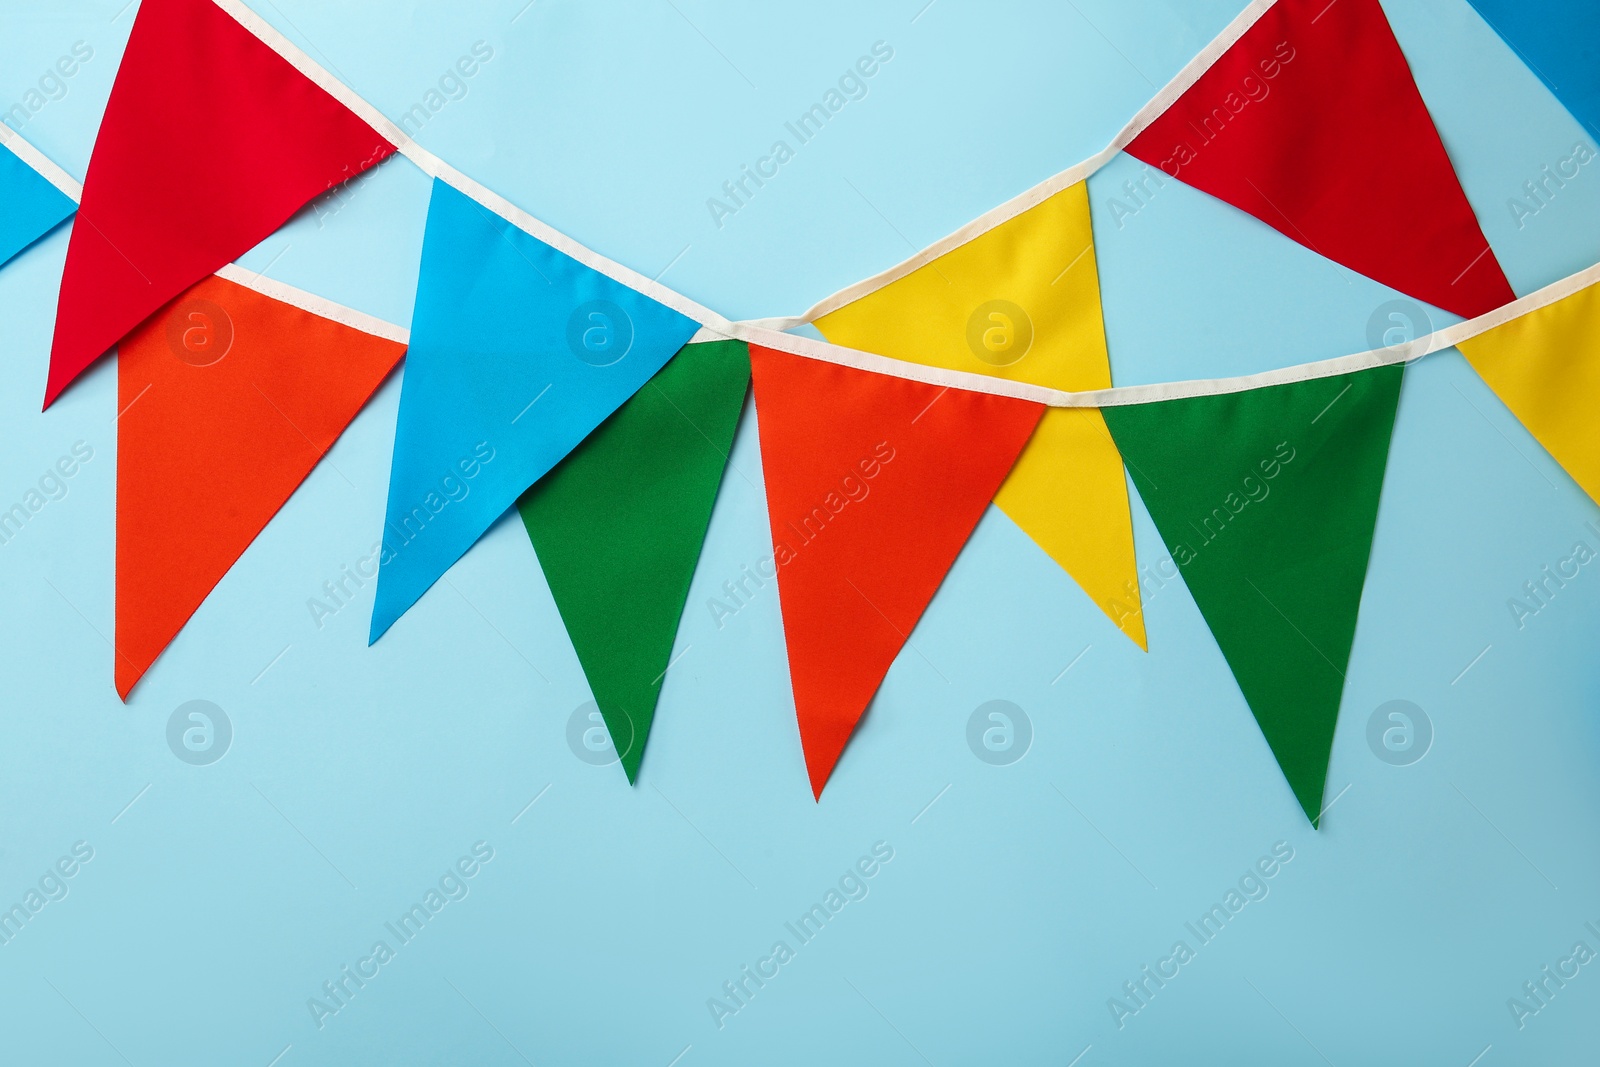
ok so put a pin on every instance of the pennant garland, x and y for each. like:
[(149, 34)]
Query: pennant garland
[(1022, 301), (1303, 123), (1266, 496), (618, 526), (518, 352), (210, 142), (870, 497), (30, 206), (221, 419), (1545, 367), (1559, 40), (1266, 500)]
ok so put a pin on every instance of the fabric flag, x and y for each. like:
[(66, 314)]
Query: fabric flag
[(1305, 123), (1559, 40), (30, 206), (1545, 367), (873, 485), (1267, 500), (1022, 301), (228, 399), (209, 143), (517, 353), (619, 523)]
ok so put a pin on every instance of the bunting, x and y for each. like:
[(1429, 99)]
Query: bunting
[(870, 494), (30, 206), (228, 399), (1545, 367), (1022, 302), (518, 352), (544, 376), (619, 523), (1303, 123), (1266, 500), (210, 142)]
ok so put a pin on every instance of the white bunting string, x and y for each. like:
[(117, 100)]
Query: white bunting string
[(770, 333)]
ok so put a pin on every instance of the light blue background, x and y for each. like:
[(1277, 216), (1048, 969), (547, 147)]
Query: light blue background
[(222, 898)]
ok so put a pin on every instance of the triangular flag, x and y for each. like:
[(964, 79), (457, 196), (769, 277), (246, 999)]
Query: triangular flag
[(1022, 301), (1307, 122), (518, 352), (228, 399), (30, 206), (1545, 367), (1267, 500), (619, 523), (1559, 40), (210, 142), (873, 485)]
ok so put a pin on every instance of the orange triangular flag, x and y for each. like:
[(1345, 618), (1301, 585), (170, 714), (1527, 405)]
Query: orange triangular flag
[(228, 399), (873, 485)]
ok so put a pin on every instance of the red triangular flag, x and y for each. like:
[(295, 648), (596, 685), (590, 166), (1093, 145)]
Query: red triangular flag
[(1312, 123), (228, 399), (873, 485), (210, 142)]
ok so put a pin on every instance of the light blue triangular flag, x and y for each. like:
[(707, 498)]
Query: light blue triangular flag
[(30, 206), (518, 352)]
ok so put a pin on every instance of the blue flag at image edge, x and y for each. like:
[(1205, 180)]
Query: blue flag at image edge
[(517, 353), (30, 206), (1559, 40)]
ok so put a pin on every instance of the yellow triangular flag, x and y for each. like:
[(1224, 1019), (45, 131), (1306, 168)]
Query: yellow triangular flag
[(1545, 367), (1022, 301)]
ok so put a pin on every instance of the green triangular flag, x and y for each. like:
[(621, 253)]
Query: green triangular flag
[(619, 523), (1267, 499)]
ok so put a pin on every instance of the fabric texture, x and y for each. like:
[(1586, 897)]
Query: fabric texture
[(517, 353), (1559, 40), (228, 400), (1267, 501), (1545, 367), (30, 206), (873, 485), (210, 142), (1022, 302), (619, 523), (1304, 123)]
